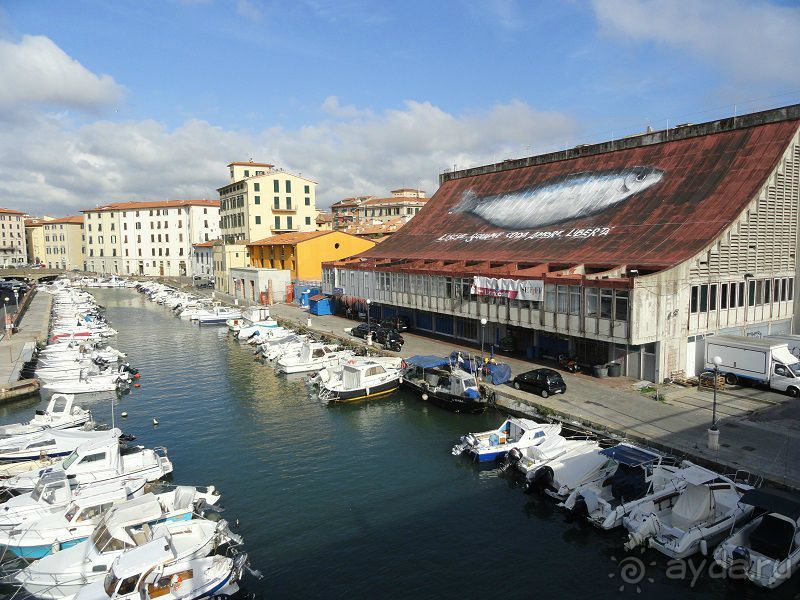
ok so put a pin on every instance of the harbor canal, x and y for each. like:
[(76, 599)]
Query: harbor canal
[(363, 500)]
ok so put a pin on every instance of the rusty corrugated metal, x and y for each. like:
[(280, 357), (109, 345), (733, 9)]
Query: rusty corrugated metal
[(707, 182)]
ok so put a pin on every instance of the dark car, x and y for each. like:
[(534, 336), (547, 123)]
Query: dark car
[(541, 381), (361, 330), (398, 323), (388, 337)]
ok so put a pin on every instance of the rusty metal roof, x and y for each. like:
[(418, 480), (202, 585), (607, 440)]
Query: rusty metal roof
[(651, 206)]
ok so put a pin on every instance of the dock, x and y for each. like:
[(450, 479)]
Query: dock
[(32, 327)]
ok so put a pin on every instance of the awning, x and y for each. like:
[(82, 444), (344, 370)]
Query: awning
[(775, 501), (428, 361), (783, 355), (630, 455)]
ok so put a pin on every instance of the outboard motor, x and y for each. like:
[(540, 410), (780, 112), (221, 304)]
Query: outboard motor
[(740, 559), (540, 480), (579, 511)]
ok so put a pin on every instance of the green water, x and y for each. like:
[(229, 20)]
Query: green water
[(356, 501)]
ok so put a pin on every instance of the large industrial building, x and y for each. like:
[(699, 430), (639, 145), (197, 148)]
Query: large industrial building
[(634, 250)]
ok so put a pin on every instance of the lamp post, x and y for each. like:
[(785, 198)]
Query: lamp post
[(5, 312), (16, 299), (369, 329), (483, 332), (713, 432)]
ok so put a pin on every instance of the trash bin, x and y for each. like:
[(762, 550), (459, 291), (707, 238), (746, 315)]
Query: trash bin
[(600, 371), (614, 369)]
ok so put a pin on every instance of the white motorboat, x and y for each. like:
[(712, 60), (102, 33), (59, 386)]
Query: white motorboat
[(153, 570), (702, 510), (89, 384), (61, 413), (765, 550), (639, 476), (49, 443), (360, 379), (216, 315), (513, 433), (53, 494), (252, 317), (274, 348), (190, 312), (74, 524), (580, 464), (126, 526), (101, 460), (312, 356)]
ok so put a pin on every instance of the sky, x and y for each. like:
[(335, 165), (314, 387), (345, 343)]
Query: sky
[(108, 101)]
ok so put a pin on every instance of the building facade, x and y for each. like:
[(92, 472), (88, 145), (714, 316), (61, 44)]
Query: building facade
[(633, 251), (303, 253), (13, 249), (260, 201), (64, 243), (34, 239), (363, 210), (226, 257), (148, 238), (203, 259)]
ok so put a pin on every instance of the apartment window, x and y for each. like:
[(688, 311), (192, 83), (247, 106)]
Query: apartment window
[(776, 290), (621, 306), (574, 300), (277, 222), (180, 237), (276, 203), (112, 227), (591, 302), (740, 294), (256, 187), (257, 199), (704, 298), (723, 296), (258, 220), (751, 293), (205, 224), (288, 222), (114, 252), (99, 227), (246, 173), (307, 189), (288, 186), (138, 239), (606, 297), (153, 238), (767, 291), (125, 227), (180, 223), (784, 289), (166, 225), (307, 200), (138, 225), (308, 220), (276, 186), (90, 227), (113, 239), (288, 204), (790, 295), (126, 252), (550, 297)]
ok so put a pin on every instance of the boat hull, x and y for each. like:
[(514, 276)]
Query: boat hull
[(362, 393), (451, 402)]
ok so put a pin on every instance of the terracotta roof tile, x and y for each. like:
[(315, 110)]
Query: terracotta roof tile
[(289, 238), (152, 204), (73, 219), (11, 211)]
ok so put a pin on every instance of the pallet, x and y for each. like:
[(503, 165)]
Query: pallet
[(707, 380), (680, 378)]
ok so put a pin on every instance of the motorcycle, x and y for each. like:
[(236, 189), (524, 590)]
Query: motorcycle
[(569, 363)]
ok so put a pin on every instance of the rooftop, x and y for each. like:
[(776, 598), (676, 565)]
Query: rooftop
[(250, 164), (11, 211), (289, 238), (152, 204), (207, 244), (73, 219)]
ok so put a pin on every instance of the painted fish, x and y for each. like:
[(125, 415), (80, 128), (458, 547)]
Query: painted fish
[(563, 198)]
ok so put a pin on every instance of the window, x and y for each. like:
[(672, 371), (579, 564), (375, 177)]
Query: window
[(693, 302), (776, 290), (563, 299), (621, 306), (288, 222), (288, 204), (550, 297), (258, 220), (784, 289), (257, 199), (591, 302), (307, 200), (723, 296), (790, 295), (740, 294), (288, 186), (704, 298), (308, 220), (307, 189), (276, 186), (606, 298), (256, 187), (751, 293), (767, 291), (277, 222), (276, 203), (246, 173), (712, 298), (574, 300)]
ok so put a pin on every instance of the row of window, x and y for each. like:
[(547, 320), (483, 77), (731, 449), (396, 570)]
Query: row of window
[(61, 250), (604, 303), (11, 234), (709, 297), (161, 252), (159, 212), (12, 218), (56, 238)]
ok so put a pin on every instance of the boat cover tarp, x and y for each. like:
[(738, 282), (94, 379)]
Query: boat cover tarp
[(630, 455), (628, 483), (428, 361), (775, 501), (498, 373)]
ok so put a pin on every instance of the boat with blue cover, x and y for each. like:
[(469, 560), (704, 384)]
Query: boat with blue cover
[(514, 432), (440, 381)]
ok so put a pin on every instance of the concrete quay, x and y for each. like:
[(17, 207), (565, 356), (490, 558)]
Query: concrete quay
[(17, 349)]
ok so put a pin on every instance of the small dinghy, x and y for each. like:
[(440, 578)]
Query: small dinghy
[(90, 384), (61, 413), (126, 526), (513, 433), (153, 570), (765, 550), (439, 382), (703, 510), (361, 379), (639, 475), (63, 529)]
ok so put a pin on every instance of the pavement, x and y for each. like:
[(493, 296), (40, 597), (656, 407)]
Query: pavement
[(18, 348), (759, 429)]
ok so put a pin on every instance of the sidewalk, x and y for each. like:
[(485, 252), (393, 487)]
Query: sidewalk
[(759, 429)]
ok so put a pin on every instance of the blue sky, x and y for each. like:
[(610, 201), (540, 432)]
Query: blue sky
[(138, 99)]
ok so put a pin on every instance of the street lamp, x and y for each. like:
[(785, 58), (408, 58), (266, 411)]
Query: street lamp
[(16, 299), (713, 432), (369, 329), (5, 312), (483, 331)]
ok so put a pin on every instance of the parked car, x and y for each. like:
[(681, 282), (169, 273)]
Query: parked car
[(389, 338), (362, 329), (399, 323), (541, 381)]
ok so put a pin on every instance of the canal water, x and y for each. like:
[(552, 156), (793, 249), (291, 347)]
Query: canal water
[(363, 500)]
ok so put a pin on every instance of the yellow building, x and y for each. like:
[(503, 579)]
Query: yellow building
[(64, 243), (34, 238), (226, 257), (303, 253)]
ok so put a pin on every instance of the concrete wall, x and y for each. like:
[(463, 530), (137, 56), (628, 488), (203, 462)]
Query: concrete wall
[(247, 284)]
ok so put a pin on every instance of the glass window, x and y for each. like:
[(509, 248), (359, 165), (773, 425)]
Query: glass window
[(751, 293), (784, 289), (288, 186), (767, 291), (723, 296), (740, 294), (277, 222), (256, 187), (256, 200), (606, 297), (776, 290), (621, 306), (550, 297), (591, 302), (712, 299), (693, 303), (307, 189), (288, 222), (308, 220), (276, 186), (574, 300), (258, 220), (704, 298), (307, 200), (790, 294), (288, 204)]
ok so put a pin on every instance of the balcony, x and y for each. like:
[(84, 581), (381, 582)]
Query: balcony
[(284, 229), (289, 211)]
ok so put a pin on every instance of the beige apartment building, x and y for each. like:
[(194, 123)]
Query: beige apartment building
[(261, 200), (13, 249), (226, 257), (63, 241), (34, 238), (369, 210), (148, 238)]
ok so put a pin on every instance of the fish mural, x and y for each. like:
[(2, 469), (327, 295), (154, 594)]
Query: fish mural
[(561, 199)]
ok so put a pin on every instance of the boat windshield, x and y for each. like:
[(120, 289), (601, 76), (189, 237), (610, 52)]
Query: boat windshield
[(71, 512), (105, 542), (67, 463), (470, 382), (37, 490), (110, 583)]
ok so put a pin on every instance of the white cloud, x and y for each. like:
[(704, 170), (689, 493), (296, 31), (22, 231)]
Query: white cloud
[(52, 165), (752, 41), (36, 70)]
